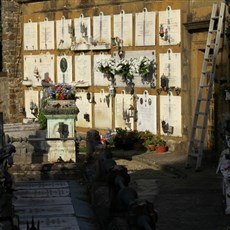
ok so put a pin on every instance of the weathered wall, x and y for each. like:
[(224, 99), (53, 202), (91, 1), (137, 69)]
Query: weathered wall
[(190, 48), (11, 90)]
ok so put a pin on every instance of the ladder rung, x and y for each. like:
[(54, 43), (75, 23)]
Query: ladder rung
[(215, 17), (196, 141), (203, 99), (199, 127), (201, 113), (194, 154)]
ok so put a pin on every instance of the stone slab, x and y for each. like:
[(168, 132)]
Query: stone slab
[(51, 223), (57, 210), (35, 193), (42, 201), (41, 185)]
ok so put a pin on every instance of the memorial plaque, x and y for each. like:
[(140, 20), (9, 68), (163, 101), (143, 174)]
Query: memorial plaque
[(42, 193), (46, 30), (123, 28), (45, 210), (63, 37), (145, 28), (102, 29), (30, 35), (42, 201), (146, 107), (41, 185), (170, 27), (170, 113), (170, 67)]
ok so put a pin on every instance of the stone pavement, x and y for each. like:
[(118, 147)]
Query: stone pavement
[(186, 199)]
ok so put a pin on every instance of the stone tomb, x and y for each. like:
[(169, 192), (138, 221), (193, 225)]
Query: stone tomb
[(53, 210), (61, 116)]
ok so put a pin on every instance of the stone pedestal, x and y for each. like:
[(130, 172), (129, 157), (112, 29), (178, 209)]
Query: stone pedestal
[(61, 116)]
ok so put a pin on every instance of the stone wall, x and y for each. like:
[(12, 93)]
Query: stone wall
[(10, 84)]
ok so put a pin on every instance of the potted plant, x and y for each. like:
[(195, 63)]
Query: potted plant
[(160, 145), (148, 139)]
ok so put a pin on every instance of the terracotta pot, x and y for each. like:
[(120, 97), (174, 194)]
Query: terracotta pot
[(161, 149), (151, 147)]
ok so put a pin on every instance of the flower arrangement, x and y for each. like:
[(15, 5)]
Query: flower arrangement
[(62, 91), (106, 66), (127, 69), (143, 66)]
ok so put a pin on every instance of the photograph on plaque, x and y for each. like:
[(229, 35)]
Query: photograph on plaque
[(30, 35), (145, 27), (170, 115), (123, 103), (170, 68), (103, 110), (64, 69), (63, 33), (46, 32), (38, 68), (146, 112), (82, 33), (169, 27), (99, 78), (101, 31), (83, 70), (123, 28)]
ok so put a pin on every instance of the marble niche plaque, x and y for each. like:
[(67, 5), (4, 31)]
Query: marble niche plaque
[(46, 33), (38, 67), (31, 96), (30, 34), (101, 32), (169, 27), (82, 33), (123, 27), (103, 110), (145, 28), (146, 112), (84, 117), (170, 67), (170, 113), (123, 102), (63, 33), (83, 70)]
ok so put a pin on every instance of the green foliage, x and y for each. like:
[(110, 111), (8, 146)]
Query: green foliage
[(42, 120), (149, 138)]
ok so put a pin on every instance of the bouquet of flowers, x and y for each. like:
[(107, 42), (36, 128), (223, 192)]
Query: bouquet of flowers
[(106, 66), (127, 69), (143, 66), (62, 91)]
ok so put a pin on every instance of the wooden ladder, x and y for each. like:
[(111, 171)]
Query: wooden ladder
[(200, 119)]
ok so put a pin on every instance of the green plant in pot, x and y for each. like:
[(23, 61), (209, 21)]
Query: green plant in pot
[(147, 138), (161, 145)]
